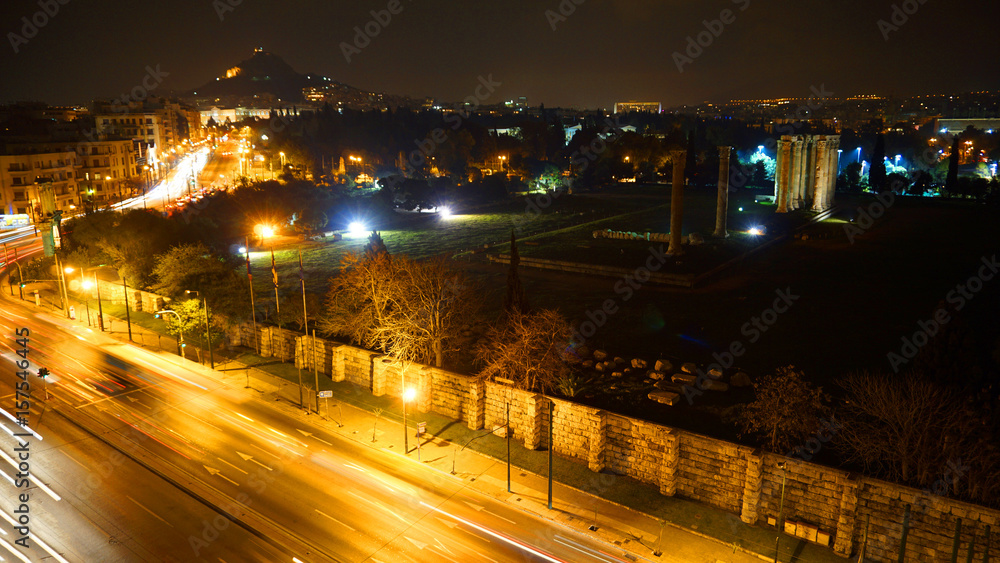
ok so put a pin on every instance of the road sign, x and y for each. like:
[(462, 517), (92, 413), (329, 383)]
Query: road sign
[(421, 428), (325, 394)]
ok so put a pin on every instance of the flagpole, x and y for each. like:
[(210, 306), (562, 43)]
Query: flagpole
[(305, 324), (277, 304), (253, 310)]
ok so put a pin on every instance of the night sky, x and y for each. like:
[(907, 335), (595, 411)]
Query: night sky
[(606, 51)]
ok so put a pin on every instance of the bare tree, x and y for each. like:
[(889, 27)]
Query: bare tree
[(528, 349), (915, 431), (407, 309), (786, 410)]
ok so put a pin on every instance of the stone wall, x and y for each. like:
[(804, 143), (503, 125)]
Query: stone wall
[(138, 300), (822, 504)]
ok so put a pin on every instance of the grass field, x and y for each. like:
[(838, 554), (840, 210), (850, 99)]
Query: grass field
[(854, 300)]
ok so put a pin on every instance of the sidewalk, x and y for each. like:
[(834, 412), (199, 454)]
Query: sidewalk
[(631, 518)]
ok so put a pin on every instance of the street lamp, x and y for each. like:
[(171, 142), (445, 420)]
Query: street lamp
[(86, 285), (408, 395), (180, 328)]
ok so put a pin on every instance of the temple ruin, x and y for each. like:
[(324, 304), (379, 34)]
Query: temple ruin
[(806, 171)]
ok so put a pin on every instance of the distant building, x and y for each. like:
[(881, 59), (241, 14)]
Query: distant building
[(28, 178), (649, 107), (159, 124), (99, 171), (951, 126)]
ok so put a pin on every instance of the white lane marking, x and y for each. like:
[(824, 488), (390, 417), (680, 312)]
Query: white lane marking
[(419, 544), (34, 478), (26, 427), (38, 540), (478, 508), (155, 515), (231, 465), (335, 520), (304, 433), (248, 457), (584, 549), (215, 471), (14, 550)]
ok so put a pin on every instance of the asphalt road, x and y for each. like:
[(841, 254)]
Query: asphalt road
[(203, 449)]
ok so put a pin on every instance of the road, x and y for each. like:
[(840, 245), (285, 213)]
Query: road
[(295, 491)]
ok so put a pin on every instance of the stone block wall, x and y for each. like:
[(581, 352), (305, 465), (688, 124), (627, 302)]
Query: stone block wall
[(138, 300), (712, 471), (735, 478)]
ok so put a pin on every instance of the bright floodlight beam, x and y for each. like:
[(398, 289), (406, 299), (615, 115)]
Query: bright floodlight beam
[(755, 231), (357, 229), (444, 211)]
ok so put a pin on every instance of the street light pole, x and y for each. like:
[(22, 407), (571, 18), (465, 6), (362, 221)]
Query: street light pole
[(128, 317), (208, 329), (100, 309)]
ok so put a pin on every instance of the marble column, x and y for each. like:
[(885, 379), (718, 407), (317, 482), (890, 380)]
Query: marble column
[(781, 175), (834, 166), (800, 167), (679, 158), (822, 161), (722, 203)]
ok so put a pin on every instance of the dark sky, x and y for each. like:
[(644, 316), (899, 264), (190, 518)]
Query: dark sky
[(606, 51)]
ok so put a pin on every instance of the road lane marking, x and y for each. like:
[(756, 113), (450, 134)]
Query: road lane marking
[(335, 520), (478, 508), (420, 545), (155, 515), (247, 457), (215, 471), (231, 465), (310, 434)]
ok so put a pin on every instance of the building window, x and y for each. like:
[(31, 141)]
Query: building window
[(18, 195), (16, 181)]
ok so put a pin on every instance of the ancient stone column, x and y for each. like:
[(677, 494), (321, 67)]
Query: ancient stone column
[(822, 162), (834, 166), (809, 170), (781, 175), (722, 204), (797, 173), (677, 203)]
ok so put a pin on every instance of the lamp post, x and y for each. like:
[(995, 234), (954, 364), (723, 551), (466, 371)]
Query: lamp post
[(180, 328), (62, 282), (86, 285), (208, 326), (100, 309), (408, 396)]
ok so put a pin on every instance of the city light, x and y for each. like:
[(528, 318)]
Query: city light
[(266, 231), (243, 250), (444, 212), (409, 394), (755, 231)]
